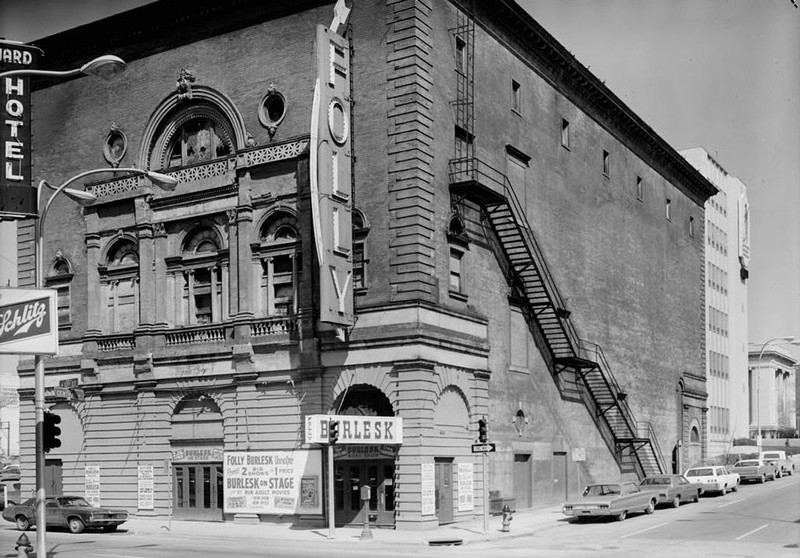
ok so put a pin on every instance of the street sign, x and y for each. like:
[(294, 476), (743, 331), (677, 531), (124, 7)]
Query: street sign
[(483, 448), (62, 393)]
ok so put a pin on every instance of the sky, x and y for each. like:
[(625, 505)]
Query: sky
[(719, 74)]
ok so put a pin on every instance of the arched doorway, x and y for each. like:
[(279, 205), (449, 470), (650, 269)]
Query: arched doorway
[(196, 443), (364, 465)]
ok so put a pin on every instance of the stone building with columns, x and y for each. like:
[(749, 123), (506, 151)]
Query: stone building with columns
[(426, 211)]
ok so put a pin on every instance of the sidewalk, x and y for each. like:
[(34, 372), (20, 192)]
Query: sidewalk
[(524, 522)]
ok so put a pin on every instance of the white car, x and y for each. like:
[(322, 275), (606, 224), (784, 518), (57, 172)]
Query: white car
[(714, 478)]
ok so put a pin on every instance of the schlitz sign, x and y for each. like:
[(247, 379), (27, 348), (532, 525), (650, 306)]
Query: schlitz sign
[(28, 322), (17, 195)]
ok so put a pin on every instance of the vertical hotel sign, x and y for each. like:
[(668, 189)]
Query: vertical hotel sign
[(28, 322), (331, 178), (17, 196)]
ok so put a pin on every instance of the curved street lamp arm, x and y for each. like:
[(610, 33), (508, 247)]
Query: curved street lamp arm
[(46, 73), (43, 213)]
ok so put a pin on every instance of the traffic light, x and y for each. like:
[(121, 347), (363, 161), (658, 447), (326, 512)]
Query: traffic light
[(51, 431), (483, 436), (333, 431)]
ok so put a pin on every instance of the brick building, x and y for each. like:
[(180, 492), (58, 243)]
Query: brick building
[(507, 241)]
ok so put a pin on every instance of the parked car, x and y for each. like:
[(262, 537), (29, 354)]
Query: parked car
[(611, 500), (10, 473), (714, 478), (671, 489), (784, 465), (9, 493), (72, 512), (755, 470)]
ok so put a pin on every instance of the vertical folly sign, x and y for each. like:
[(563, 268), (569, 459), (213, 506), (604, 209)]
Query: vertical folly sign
[(28, 322), (17, 196), (331, 177)]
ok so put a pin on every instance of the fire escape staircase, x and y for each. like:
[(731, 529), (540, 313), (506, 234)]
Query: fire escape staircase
[(579, 368)]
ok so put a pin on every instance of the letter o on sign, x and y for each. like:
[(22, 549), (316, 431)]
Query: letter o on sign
[(338, 121)]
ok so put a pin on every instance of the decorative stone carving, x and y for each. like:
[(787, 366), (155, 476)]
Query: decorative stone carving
[(184, 84), (115, 146)]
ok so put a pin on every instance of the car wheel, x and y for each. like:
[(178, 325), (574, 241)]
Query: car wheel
[(622, 515), (676, 501), (696, 497), (109, 528), (75, 525), (724, 489), (22, 523), (651, 507), (780, 474)]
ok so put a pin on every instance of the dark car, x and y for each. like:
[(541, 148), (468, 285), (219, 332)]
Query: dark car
[(73, 512), (10, 494), (672, 489)]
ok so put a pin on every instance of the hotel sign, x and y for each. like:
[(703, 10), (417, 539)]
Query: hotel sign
[(28, 322), (355, 429), (17, 196)]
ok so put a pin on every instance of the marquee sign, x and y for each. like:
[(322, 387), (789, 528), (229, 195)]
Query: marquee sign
[(17, 196), (355, 429), (331, 177), (28, 322)]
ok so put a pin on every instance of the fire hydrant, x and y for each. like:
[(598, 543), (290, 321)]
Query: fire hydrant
[(507, 517), (24, 546)]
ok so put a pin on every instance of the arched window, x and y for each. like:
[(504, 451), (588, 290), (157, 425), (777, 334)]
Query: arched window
[(199, 278), (278, 264), (119, 280), (360, 259), (694, 436), (59, 278), (192, 134)]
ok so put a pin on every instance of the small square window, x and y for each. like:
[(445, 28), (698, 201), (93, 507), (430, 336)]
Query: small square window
[(639, 188), (606, 163), (565, 133), (668, 209), (515, 96)]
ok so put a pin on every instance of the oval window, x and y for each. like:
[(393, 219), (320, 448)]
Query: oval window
[(115, 146), (272, 110)]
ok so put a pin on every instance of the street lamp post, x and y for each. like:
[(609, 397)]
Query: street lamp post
[(790, 339), (105, 67)]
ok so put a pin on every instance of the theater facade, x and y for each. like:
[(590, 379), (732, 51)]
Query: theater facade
[(406, 216)]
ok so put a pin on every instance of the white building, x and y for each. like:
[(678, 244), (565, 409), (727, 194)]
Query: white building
[(727, 255), (773, 381)]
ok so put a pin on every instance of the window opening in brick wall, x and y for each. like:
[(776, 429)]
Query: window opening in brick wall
[(516, 105), (639, 189), (59, 278), (279, 265), (564, 133), (668, 209), (360, 259), (606, 163)]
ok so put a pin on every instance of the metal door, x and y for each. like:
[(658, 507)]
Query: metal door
[(197, 491), (444, 490), (560, 479), (523, 472), (53, 482)]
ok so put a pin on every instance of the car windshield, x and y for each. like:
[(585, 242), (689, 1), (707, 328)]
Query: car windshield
[(747, 464), (73, 501), (601, 490), (699, 472), (658, 481)]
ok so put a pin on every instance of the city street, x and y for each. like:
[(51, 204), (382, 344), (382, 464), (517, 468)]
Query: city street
[(758, 520)]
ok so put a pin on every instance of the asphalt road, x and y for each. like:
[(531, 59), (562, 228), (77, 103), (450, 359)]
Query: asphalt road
[(758, 520)]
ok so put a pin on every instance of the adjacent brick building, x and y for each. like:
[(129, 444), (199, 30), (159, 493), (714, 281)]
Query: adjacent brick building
[(524, 250)]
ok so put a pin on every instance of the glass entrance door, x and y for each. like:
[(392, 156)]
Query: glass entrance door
[(197, 490)]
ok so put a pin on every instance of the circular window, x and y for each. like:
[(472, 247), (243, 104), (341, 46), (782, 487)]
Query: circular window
[(115, 146), (338, 122), (272, 109)]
